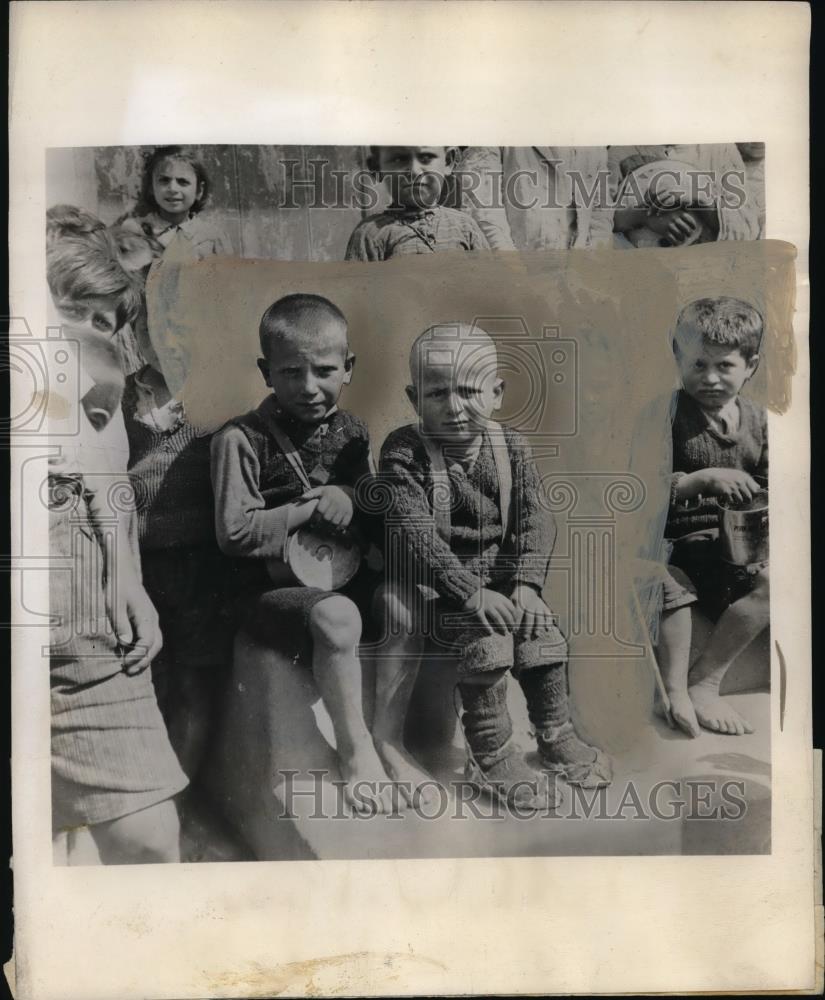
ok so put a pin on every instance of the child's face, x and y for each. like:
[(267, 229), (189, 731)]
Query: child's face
[(713, 374), (415, 175), (456, 403), (176, 188), (307, 372), (96, 317)]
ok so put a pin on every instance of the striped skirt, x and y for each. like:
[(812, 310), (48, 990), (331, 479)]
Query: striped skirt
[(110, 751)]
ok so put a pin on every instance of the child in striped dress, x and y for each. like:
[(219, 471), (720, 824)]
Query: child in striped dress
[(113, 768)]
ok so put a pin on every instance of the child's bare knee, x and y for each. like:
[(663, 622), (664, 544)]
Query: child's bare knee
[(335, 621), (151, 836), (762, 584)]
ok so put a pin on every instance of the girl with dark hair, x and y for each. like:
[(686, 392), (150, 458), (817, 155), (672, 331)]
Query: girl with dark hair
[(174, 189)]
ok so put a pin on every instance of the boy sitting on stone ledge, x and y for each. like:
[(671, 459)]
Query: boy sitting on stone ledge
[(467, 506), (261, 465)]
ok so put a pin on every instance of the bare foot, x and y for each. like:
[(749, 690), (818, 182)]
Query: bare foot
[(682, 712), (715, 713), (414, 782), (368, 788)]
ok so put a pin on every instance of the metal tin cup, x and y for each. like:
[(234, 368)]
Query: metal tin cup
[(743, 530)]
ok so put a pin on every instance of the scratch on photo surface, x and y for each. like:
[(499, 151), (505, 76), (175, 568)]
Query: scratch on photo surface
[(783, 680)]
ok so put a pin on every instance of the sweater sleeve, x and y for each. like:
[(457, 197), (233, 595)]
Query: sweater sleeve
[(242, 524), (480, 175), (410, 509), (361, 245), (534, 525)]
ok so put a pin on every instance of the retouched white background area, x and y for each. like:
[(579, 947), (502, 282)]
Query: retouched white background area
[(459, 73)]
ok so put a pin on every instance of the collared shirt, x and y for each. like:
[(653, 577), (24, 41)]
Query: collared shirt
[(206, 238), (401, 231)]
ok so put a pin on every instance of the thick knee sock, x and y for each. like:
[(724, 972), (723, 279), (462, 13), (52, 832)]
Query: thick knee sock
[(486, 718), (548, 706)]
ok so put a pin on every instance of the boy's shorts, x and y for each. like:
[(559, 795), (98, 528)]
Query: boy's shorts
[(679, 591), (279, 617), (459, 635), (718, 583)]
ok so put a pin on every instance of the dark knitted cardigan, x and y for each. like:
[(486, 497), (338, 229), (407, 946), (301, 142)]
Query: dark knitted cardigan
[(697, 446), (169, 470), (254, 482), (474, 555)]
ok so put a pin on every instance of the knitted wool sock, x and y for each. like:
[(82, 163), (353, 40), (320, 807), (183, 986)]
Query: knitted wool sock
[(548, 705), (486, 718), (496, 764)]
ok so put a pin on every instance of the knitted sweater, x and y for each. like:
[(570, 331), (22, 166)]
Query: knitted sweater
[(168, 466), (254, 484), (474, 555), (696, 445)]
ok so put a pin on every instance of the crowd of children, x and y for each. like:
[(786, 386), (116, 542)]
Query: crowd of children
[(207, 551)]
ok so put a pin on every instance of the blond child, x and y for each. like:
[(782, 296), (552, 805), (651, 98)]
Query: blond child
[(113, 768), (467, 506)]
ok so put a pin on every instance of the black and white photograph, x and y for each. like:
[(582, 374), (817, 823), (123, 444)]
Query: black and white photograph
[(307, 641), (410, 543)]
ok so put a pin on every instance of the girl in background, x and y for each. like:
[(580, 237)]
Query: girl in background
[(174, 190)]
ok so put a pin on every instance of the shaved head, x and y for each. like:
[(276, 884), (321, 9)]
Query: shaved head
[(302, 318), (455, 347)]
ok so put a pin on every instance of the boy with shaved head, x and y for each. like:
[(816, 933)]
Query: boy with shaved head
[(477, 539), (299, 458)]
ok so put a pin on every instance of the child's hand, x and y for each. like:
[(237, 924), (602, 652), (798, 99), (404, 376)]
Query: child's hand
[(335, 508), (679, 228), (535, 615), (494, 611), (731, 484), (135, 622)]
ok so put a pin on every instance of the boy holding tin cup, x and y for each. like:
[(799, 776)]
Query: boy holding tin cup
[(720, 466)]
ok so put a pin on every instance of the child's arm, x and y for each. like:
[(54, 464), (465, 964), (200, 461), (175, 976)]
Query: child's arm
[(128, 607), (534, 537), (730, 484), (479, 174), (362, 245), (534, 527), (242, 524)]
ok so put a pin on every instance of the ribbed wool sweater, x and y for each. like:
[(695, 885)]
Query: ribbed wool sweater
[(474, 555), (697, 445)]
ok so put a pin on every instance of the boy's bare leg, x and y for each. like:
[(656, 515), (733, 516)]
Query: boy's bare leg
[(738, 626), (673, 655), (150, 836), (335, 627), (396, 671)]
